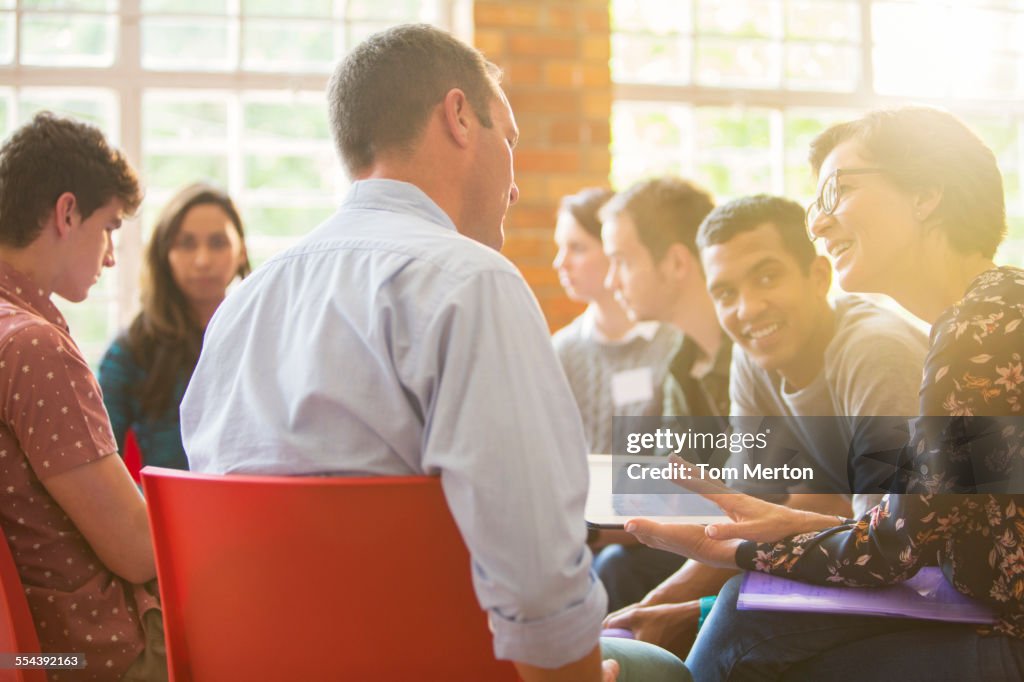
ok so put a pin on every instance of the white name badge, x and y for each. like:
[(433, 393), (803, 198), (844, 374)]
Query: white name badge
[(632, 386)]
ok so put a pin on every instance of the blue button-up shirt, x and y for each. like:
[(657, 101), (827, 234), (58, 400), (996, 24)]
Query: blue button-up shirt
[(386, 343)]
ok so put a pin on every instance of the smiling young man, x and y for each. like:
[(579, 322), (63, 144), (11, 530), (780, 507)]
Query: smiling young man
[(796, 354)]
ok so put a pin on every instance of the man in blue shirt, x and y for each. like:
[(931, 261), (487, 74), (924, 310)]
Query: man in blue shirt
[(395, 340)]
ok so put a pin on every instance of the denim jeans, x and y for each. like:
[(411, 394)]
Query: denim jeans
[(643, 662), (630, 572)]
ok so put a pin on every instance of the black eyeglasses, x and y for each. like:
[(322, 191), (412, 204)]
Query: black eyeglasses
[(829, 196)]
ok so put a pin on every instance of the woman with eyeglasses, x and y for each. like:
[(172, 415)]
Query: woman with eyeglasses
[(911, 205), (196, 251)]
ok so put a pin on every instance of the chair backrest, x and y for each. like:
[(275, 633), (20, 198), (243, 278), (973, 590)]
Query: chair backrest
[(132, 455), (314, 578), (17, 629)]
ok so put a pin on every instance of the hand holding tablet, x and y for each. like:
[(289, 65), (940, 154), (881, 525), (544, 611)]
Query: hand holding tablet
[(607, 509)]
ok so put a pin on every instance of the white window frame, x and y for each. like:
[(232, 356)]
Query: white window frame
[(127, 78), (780, 100)]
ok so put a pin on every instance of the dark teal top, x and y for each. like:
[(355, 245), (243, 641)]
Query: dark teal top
[(159, 439)]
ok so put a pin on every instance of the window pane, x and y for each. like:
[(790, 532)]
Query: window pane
[(285, 120), (94, 106), (93, 322), (200, 44), (5, 112), (67, 40), (738, 63), (648, 138), (167, 118), (7, 24), (733, 151), (994, 72), (393, 11), (260, 249), (88, 5), (184, 6), (800, 127), (654, 16), (823, 20), (1000, 4), (899, 71), (740, 18), (288, 46), (297, 8), (291, 172), (174, 171), (358, 32), (910, 62), (988, 76), (992, 29), (285, 221), (822, 66), (650, 59), (1002, 135), (733, 128)]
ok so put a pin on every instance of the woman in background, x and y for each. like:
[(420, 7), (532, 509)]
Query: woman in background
[(196, 251)]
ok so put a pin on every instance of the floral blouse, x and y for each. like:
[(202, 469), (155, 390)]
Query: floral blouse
[(968, 441)]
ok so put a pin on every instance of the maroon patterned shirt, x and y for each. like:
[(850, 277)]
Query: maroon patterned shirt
[(52, 420), (973, 370)]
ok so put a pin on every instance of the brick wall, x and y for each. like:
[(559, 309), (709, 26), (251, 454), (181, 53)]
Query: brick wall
[(555, 57)]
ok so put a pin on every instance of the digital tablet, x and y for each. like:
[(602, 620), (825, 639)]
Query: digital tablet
[(606, 509)]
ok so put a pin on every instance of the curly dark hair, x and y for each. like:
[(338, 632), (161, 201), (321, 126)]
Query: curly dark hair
[(51, 155)]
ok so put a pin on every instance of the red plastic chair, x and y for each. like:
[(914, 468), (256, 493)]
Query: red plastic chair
[(314, 578), (132, 456), (17, 629)]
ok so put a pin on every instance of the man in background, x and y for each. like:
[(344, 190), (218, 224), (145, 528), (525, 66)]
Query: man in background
[(649, 233)]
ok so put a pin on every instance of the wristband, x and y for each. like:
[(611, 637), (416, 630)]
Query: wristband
[(705, 608)]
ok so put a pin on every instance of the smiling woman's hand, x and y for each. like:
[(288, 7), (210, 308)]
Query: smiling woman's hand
[(752, 518), (687, 539)]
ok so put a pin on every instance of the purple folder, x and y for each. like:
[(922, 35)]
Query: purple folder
[(927, 595)]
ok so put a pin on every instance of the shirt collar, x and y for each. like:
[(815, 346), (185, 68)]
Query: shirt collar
[(17, 288), (689, 351), (393, 195)]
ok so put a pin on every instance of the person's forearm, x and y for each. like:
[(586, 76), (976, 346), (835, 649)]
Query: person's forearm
[(586, 669), (692, 581)]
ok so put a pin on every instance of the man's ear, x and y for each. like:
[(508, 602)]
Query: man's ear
[(678, 261), (457, 116), (820, 274), (65, 213)]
